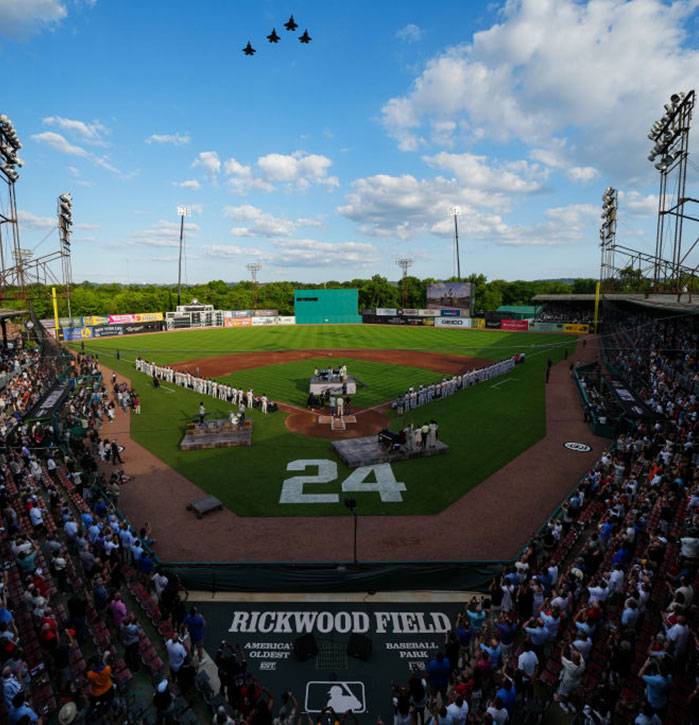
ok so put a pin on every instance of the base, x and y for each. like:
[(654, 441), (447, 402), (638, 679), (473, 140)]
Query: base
[(219, 433), (366, 451)]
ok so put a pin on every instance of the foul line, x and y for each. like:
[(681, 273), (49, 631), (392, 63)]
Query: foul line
[(502, 382)]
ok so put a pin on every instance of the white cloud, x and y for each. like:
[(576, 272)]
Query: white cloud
[(637, 204), (32, 221), (298, 170), (191, 184), (62, 145), (228, 251), (20, 19), (403, 206), (162, 234), (89, 227), (90, 132), (261, 224), (295, 172), (210, 162), (474, 171), (409, 33), (332, 255), (582, 174), (175, 139), (59, 143), (597, 72)]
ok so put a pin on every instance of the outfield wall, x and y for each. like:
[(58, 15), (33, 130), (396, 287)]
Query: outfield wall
[(326, 306)]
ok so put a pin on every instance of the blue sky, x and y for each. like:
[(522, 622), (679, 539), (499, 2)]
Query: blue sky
[(329, 160)]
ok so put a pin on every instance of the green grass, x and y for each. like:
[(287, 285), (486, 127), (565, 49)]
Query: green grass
[(484, 426), (288, 382)]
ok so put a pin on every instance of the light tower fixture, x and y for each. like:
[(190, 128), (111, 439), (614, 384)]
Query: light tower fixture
[(404, 263), (607, 234), (669, 154), (65, 224), (455, 211), (182, 212), (254, 268)]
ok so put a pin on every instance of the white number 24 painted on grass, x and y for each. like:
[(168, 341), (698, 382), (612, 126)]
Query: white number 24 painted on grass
[(385, 484)]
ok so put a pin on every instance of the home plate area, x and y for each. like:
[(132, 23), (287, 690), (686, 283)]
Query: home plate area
[(335, 422)]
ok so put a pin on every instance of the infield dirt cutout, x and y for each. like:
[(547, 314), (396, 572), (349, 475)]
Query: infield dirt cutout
[(305, 422)]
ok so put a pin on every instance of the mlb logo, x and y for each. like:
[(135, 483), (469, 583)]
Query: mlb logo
[(339, 695)]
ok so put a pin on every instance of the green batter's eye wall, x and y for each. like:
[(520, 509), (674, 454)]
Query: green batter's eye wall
[(331, 306)]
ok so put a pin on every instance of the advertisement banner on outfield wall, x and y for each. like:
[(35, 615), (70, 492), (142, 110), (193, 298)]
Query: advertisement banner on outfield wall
[(237, 322), (285, 320), (139, 327), (241, 313), (257, 321), (265, 313), (461, 323), (577, 329), (546, 326), (428, 313), (107, 330), (450, 313), (492, 324), (77, 333), (139, 317), (68, 322), (428, 321), (478, 322), (93, 320), (386, 311), (408, 312), (514, 325)]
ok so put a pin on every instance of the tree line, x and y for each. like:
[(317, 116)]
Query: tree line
[(88, 298)]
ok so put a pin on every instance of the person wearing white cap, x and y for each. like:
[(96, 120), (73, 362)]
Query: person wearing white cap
[(222, 717), (164, 702)]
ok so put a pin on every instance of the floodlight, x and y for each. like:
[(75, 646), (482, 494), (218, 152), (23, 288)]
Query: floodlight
[(661, 166), (184, 211), (19, 162), (669, 107), (676, 97)]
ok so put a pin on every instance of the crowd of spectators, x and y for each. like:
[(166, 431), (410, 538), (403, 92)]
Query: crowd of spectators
[(581, 313), (598, 614)]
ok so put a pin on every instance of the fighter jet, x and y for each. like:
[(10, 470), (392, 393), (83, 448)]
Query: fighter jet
[(305, 38), (273, 37), (248, 49), (291, 24)]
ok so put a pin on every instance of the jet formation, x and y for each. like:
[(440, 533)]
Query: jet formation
[(291, 25)]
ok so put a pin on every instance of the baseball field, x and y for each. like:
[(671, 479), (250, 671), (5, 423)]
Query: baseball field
[(291, 468)]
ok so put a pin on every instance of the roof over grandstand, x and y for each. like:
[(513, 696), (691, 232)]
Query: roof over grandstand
[(660, 302), (5, 313)]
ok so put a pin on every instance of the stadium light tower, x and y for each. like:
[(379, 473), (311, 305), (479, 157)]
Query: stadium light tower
[(607, 235), (455, 211), (405, 263), (65, 224), (182, 211), (669, 155), (254, 268)]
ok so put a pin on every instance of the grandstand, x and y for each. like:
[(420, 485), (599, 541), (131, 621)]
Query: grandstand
[(597, 610)]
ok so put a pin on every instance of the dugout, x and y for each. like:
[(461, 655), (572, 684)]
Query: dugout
[(326, 306)]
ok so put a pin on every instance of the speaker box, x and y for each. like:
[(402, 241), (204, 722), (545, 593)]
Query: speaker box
[(359, 646), (305, 647)]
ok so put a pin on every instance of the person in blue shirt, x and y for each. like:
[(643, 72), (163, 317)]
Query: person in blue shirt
[(195, 623), (506, 629), (658, 683), (464, 634), (438, 671), (508, 695), (20, 709)]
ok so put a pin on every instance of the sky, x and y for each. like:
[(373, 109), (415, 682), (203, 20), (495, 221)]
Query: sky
[(330, 160)]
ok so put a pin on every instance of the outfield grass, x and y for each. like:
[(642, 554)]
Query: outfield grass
[(484, 426), (288, 382)]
